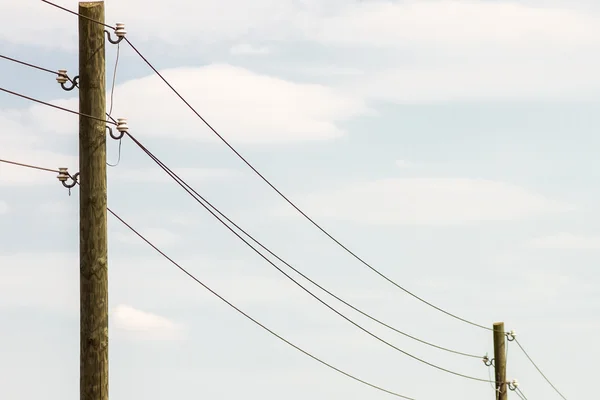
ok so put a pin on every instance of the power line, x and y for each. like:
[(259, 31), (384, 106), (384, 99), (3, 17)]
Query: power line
[(29, 166), (521, 394), (38, 68), (112, 103), (191, 191), (114, 80), (75, 84), (228, 302), (275, 266), (251, 166), (55, 106), (538, 369), (271, 185), (239, 155), (202, 200), (76, 13), (189, 274), (29, 65)]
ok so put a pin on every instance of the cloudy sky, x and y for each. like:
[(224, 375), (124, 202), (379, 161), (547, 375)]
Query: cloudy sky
[(451, 143)]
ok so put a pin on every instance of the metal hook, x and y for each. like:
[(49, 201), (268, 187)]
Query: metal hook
[(110, 39), (73, 183), (120, 32), (487, 361), (74, 84), (511, 336), (116, 137)]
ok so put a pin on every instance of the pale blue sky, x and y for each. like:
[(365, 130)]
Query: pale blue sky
[(452, 144)]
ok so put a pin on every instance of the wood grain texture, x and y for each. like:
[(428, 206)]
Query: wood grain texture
[(92, 206), (500, 361)]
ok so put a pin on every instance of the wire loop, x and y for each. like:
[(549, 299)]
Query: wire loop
[(122, 128), (120, 33), (513, 385), (511, 336), (487, 361), (74, 180), (74, 83), (110, 39), (112, 135)]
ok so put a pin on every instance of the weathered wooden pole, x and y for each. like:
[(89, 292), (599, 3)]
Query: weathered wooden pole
[(500, 361), (93, 245)]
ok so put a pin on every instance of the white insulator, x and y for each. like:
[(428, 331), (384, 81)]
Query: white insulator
[(515, 383), (62, 76), (513, 333), (63, 175), (122, 125), (120, 30)]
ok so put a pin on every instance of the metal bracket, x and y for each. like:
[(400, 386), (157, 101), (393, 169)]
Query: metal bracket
[(63, 78), (120, 32)]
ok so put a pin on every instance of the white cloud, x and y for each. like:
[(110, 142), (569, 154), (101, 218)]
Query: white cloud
[(470, 80), (565, 241), (145, 325), (420, 51), (248, 49), (244, 106), (456, 25), (428, 201), (462, 50)]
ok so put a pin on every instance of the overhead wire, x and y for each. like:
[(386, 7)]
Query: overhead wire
[(538, 369), (112, 90), (283, 196), (291, 203), (202, 202), (29, 65), (114, 79), (55, 106), (521, 394), (193, 277), (75, 84), (108, 114), (189, 274), (113, 122), (170, 173), (78, 14), (29, 166), (492, 382), (38, 67), (198, 197), (112, 102), (255, 170)]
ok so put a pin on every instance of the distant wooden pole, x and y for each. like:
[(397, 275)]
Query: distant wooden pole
[(500, 361), (93, 246)]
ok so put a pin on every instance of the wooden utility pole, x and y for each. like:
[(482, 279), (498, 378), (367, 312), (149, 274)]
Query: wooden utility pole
[(93, 245), (500, 361)]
